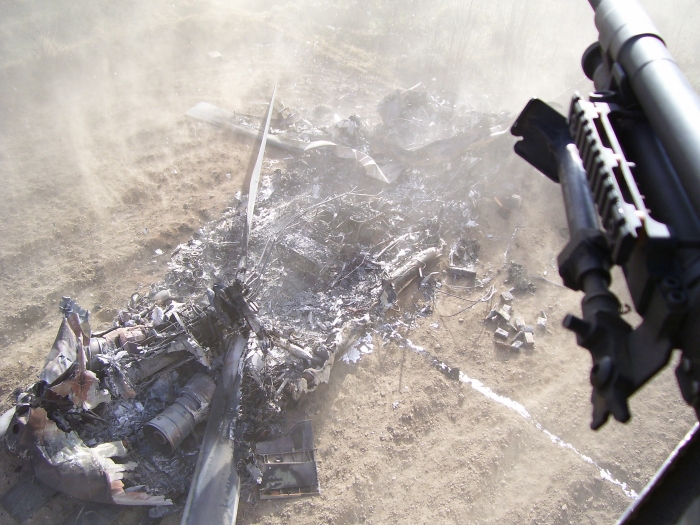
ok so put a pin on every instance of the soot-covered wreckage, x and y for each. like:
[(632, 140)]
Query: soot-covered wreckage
[(252, 316)]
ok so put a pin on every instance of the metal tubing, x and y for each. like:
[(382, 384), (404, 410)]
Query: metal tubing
[(168, 429), (672, 106), (673, 109), (578, 200)]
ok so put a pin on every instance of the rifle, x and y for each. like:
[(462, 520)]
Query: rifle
[(628, 162)]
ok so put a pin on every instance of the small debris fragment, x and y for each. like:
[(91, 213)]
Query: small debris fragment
[(507, 297), (542, 322), (500, 334), (502, 345), (498, 316), (503, 210), (404, 274), (460, 271), (514, 201), (463, 258), (529, 340)]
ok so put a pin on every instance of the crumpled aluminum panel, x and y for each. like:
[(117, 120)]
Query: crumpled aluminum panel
[(288, 464)]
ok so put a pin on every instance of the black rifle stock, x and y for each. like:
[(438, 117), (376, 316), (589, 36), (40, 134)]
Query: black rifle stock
[(628, 161)]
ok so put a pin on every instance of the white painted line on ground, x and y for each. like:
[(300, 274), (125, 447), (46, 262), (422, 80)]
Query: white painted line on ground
[(522, 412)]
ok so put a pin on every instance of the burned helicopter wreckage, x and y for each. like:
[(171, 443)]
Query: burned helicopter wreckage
[(343, 224)]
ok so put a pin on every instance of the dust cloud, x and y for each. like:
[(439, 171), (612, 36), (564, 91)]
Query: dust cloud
[(99, 167)]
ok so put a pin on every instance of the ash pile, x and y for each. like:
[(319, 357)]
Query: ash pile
[(346, 218)]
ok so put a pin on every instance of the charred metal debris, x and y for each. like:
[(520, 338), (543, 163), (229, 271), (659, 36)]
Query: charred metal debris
[(346, 219)]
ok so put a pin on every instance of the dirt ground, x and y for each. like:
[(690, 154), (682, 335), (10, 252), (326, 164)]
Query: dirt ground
[(100, 168)]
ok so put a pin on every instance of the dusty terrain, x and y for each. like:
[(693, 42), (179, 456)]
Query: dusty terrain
[(100, 168)]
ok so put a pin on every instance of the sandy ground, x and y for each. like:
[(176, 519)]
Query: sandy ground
[(99, 168)]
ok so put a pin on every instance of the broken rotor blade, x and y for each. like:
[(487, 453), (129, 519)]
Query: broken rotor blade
[(213, 496), (216, 116), (254, 182)]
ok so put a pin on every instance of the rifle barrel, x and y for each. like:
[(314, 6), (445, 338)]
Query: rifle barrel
[(630, 39)]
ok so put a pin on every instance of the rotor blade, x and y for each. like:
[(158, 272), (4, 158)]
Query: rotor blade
[(214, 491), (255, 180)]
